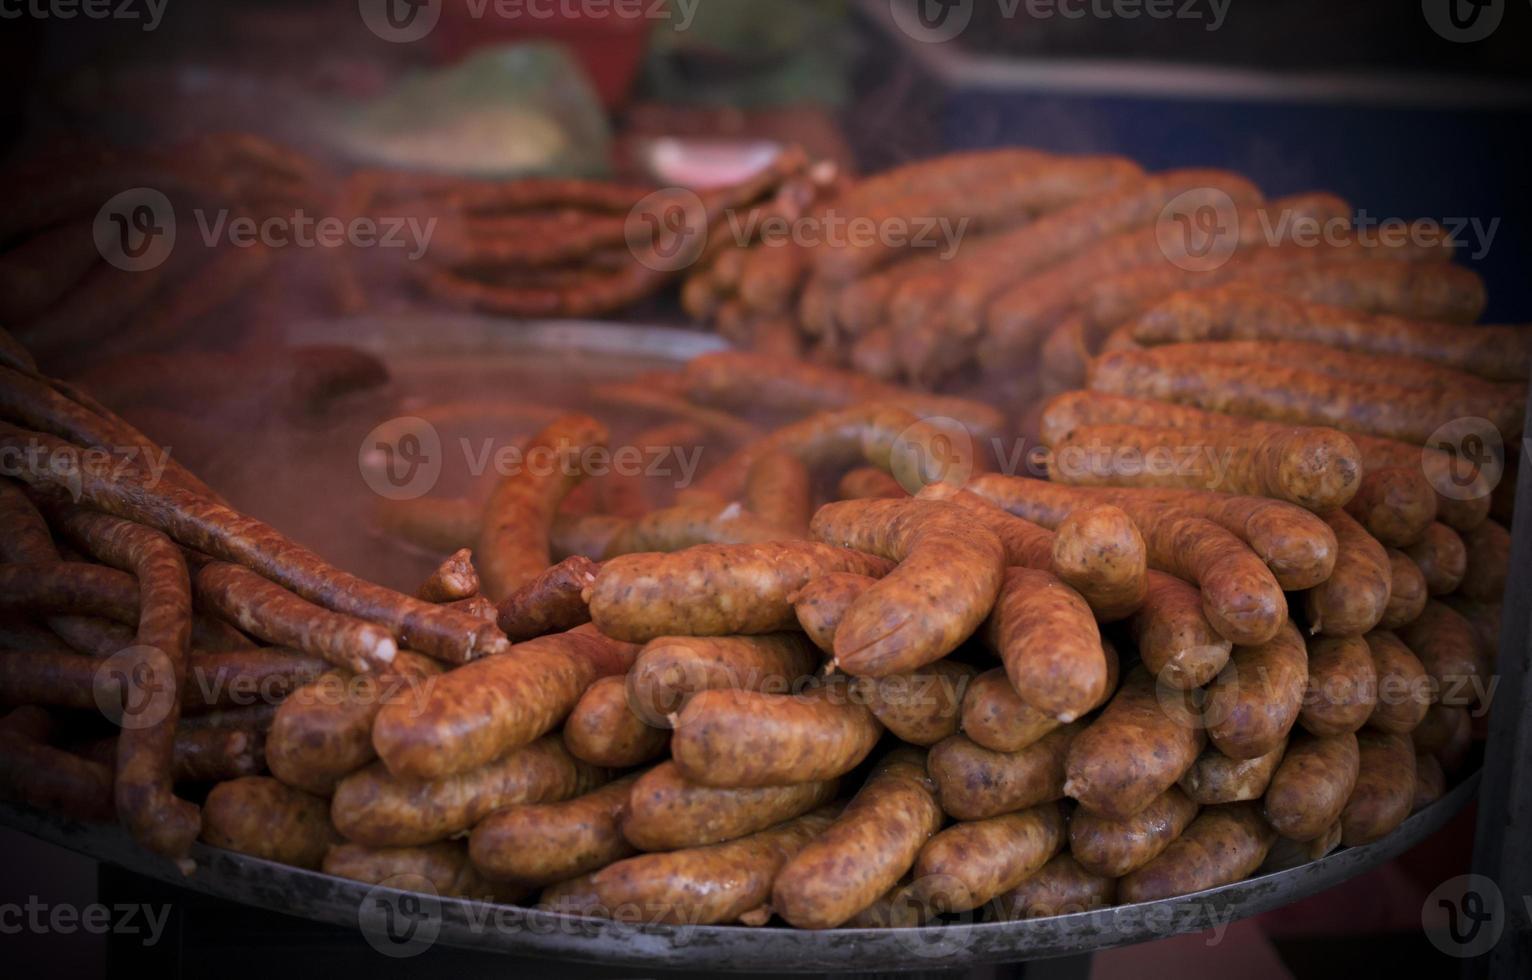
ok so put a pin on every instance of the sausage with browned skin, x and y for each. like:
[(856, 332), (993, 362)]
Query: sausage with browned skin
[(1384, 791), (1449, 651), (1489, 551), (440, 869), (1312, 785), (1405, 690), (1060, 887), (970, 863), (1099, 552), (1134, 751), (1442, 558), (1115, 846), (1407, 593), (715, 590), (865, 851), (377, 808), (671, 669), (779, 491), (667, 811), (1255, 701), (261, 817), (730, 738), (554, 602), (514, 546), (543, 843), (948, 574), (1355, 598), (1343, 686), (1317, 469), (1177, 643), (1047, 638), (997, 718), (922, 707), (601, 729), (974, 782), (822, 604), (1223, 845), (714, 883), (323, 731), (454, 579), (1215, 778), (1395, 504)]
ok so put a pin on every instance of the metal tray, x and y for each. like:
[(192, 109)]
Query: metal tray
[(401, 924)]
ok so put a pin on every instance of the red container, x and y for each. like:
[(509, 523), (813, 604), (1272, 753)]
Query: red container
[(608, 46)]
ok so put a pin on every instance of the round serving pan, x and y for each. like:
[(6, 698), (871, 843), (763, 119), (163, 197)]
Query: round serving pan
[(401, 924)]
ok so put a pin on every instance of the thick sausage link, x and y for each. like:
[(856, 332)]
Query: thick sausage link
[(604, 731), (1312, 785), (865, 852), (1117, 846), (999, 719), (1448, 649), (1405, 690), (1343, 686), (968, 864), (948, 574), (543, 843), (1047, 638), (1442, 558), (667, 811), (671, 669), (261, 817), (440, 869), (1489, 553), (1137, 749), (716, 883), (1099, 552), (1255, 701), (1223, 845), (804, 738), (822, 604), (1395, 504), (1407, 593), (1177, 643), (715, 590), (477, 713), (1060, 887), (383, 810), (1385, 788), (922, 707), (1215, 778), (1355, 598), (974, 783)]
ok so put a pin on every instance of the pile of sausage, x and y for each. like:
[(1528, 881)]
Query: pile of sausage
[(1055, 254), (854, 675)]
